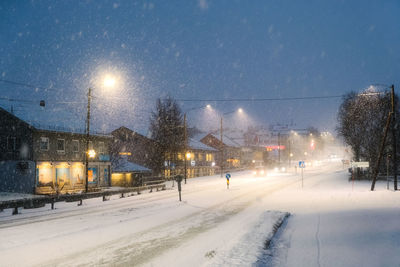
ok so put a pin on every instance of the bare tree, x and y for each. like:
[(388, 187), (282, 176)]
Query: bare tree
[(167, 129), (362, 119)]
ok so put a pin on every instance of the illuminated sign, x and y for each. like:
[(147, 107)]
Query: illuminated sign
[(270, 148)]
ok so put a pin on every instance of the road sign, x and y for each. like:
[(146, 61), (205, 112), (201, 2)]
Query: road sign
[(228, 175), (302, 164), (360, 164)]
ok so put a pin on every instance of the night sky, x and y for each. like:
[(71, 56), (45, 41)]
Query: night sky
[(194, 50)]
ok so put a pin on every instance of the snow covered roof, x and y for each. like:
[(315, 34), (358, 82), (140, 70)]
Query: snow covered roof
[(52, 120), (123, 165), (226, 140), (196, 144)]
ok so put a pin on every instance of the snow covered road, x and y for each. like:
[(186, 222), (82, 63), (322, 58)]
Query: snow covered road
[(334, 224), (214, 226)]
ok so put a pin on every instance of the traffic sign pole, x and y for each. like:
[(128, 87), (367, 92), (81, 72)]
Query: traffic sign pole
[(302, 165), (227, 176)]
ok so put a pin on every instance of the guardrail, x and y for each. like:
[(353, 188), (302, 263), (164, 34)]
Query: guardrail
[(38, 202)]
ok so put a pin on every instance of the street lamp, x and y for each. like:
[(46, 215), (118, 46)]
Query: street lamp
[(240, 110), (187, 154), (108, 81)]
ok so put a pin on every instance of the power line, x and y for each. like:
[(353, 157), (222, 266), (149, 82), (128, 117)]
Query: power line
[(259, 99), (19, 100), (26, 85)]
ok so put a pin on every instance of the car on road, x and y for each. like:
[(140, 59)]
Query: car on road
[(260, 171), (279, 169)]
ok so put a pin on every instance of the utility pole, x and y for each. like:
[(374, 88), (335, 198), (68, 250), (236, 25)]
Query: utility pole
[(290, 154), (185, 137), (222, 152), (394, 144), (279, 149), (87, 140), (388, 121)]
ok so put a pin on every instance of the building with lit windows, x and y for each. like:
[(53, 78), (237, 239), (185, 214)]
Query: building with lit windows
[(138, 149), (200, 160), (232, 150), (49, 160)]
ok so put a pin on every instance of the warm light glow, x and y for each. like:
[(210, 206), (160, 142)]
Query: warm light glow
[(291, 154), (44, 165), (109, 81), (240, 110), (305, 153), (188, 155), (208, 106), (63, 165), (91, 153)]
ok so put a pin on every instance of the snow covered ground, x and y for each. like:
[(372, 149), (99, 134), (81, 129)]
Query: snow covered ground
[(330, 224)]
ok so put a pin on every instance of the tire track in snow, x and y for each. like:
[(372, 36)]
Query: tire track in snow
[(318, 241), (141, 247), (111, 206)]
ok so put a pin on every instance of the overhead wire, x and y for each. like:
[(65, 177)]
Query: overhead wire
[(252, 99)]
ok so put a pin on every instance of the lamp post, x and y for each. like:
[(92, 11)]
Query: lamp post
[(87, 140), (222, 143), (185, 154), (108, 81)]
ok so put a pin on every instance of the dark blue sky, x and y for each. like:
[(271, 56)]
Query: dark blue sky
[(195, 50)]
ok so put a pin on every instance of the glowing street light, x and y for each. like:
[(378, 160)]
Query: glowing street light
[(91, 153), (108, 81)]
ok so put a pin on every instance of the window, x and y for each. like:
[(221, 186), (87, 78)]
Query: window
[(75, 146), (10, 143), (60, 145), (101, 148), (17, 145), (44, 143)]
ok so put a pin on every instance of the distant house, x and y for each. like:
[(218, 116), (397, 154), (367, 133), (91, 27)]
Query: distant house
[(46, 161), (135, 147), (200, 160), (231, 150), (127, 174)]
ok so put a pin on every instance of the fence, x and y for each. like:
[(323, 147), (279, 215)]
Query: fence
[(38, 202)]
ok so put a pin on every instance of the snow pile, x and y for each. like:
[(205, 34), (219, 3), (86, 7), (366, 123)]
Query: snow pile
[(254, 243)]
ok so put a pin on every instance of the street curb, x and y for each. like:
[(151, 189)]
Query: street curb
[(275, 228)]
